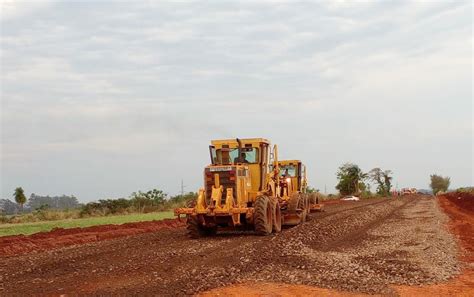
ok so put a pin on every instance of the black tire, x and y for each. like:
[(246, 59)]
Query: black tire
[(196, 230), (308, 207), (293, 203), (263, 221), (312, 198), (277, 219), (303, 204)]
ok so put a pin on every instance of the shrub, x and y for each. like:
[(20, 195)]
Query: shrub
[(466, 190), (439, 183), (4, 219)]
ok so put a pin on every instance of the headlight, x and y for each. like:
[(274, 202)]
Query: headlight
[(288, 180)]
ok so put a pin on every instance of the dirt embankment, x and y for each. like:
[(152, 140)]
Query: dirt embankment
[(59, 237), (460, 209)]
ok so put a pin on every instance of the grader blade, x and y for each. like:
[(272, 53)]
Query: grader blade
[(314, 203)]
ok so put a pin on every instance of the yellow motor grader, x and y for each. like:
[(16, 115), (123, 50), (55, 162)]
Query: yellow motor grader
[(243, 189), (294, 182)]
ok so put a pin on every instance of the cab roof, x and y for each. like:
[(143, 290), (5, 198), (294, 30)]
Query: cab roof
[(219, 142), (286, 162)]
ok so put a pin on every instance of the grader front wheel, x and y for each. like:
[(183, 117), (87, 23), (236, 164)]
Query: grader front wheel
[(263, 216)]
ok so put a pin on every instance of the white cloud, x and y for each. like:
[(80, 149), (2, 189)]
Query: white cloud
[(11, 9), (146, 85)]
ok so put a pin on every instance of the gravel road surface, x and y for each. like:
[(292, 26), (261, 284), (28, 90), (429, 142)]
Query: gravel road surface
[(359, 246)]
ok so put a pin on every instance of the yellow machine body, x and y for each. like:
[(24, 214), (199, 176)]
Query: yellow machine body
[(295, 181)]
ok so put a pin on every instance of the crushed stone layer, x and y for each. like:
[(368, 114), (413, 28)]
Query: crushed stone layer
[(360, 246)]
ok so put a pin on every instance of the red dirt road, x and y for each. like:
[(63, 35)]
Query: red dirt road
[(363, 247), (59, 237), (460, 209)]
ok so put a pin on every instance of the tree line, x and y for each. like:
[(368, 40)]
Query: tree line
[(152, 200), (34, 202), (353, 181)]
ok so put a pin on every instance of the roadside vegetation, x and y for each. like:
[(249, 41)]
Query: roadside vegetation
[(466, 190), (44, 226), (353, 181), (65, 211)]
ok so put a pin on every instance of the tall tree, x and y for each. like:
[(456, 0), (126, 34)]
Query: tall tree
[(350, 177), (439, 183), (383, 179), (387, 181), (20, 197), (375, 175)]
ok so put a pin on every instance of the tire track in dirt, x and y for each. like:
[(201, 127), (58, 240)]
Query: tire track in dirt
[(360, 234)]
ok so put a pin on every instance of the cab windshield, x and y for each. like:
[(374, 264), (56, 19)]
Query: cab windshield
[(231, 155), (288, 170)]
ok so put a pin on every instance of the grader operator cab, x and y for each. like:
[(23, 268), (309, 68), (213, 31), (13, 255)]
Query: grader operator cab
[(294, 182), (243, 190)]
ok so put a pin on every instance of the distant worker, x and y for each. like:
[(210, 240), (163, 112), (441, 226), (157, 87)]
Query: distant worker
[(242, 158), (286, 174)]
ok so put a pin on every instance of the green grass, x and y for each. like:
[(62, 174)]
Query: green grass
[(30, 228)]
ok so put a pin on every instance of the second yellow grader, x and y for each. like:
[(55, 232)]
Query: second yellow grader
[(246, 187)]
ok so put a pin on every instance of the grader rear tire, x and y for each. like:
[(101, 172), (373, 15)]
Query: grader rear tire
[(263, 218), (196, 230), (276, 216), (308, 207)]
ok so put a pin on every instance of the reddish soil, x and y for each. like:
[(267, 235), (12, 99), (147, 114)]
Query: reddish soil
[(59, 237), (166, 262), (458, 206), (460, 209), (276, 290)]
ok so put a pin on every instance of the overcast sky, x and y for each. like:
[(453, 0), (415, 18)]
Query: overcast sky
[(103, 99)]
